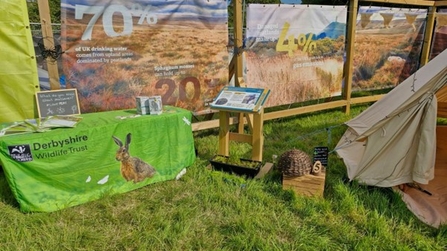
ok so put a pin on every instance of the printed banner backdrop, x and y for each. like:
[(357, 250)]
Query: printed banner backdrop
[(388, 44), (18, 69), (439, 43), (117, 50), (62, 168), (296, 51)]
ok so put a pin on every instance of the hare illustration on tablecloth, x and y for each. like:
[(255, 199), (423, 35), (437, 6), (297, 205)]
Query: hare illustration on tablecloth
[(132, 168)]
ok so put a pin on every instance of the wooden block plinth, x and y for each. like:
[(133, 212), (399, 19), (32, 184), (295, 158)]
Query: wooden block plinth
[(308, 185)]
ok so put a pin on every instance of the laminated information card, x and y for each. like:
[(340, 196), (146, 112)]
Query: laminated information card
[(240, 99)]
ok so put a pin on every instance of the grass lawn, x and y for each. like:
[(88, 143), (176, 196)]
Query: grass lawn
[(210, 210)]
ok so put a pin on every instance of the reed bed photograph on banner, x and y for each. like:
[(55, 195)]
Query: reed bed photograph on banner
[(388, 45), (296, 51), (117, 50)]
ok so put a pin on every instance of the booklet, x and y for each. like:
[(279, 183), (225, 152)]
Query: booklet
[(39, 124)]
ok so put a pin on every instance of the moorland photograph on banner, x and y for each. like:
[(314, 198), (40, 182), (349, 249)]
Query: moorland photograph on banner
[(296, 51), (118, 50)]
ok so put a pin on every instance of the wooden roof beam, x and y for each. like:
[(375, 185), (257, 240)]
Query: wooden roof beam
[(440, 3), (403, 2)]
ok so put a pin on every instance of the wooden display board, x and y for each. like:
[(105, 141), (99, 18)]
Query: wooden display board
[(240, 99), (247, 101)]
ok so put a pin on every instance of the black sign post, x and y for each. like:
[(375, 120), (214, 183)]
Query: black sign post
[(321, 154), (60, 102)]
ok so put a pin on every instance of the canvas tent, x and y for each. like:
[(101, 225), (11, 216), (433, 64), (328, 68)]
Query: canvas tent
[(394, 141)]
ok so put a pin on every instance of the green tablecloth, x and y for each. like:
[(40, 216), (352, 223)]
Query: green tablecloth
[(69, 166)]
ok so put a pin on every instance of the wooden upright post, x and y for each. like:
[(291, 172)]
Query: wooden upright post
[(224, 133), (348, 68), (238, 39), (237, 54), (430, 26), (48, 40), (258, 137)]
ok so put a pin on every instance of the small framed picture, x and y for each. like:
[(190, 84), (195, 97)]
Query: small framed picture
[(142, 105), (155, 105)]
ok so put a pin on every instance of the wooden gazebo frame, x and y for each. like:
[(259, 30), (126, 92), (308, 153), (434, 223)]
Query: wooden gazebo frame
[(235, 71)]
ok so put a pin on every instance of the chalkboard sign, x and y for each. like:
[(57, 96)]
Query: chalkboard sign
[(321, 154), (59, 102)]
